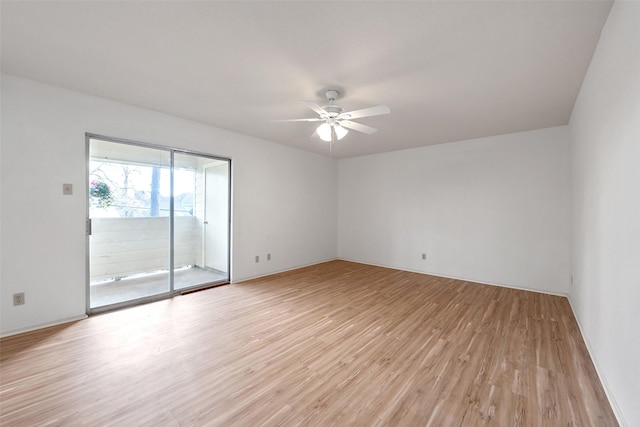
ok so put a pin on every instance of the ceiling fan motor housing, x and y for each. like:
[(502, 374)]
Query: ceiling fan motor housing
[(333, 110)]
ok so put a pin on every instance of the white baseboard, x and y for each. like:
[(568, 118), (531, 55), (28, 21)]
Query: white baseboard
[(43, 325), (465, 279), (244, 279), (612, 401)]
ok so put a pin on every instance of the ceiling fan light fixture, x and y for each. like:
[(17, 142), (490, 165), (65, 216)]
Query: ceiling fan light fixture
[(340, 131), (324, 132)]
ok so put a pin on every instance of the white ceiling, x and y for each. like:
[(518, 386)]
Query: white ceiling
[(449, 70)]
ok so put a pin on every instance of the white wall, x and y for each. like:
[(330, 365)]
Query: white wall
[(491, 210), (283, 198), (605, 146)]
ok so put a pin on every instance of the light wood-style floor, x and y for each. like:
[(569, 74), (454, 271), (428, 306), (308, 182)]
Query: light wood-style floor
[(338, 343)]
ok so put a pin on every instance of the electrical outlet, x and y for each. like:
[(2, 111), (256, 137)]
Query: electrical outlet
[(257, 258), (424, 256), (18, 299), (268, 257)]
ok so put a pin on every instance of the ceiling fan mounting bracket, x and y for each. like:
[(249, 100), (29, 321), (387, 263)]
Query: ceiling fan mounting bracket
[(332, 94)]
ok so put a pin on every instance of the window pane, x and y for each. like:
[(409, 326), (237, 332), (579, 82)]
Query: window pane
[(129, 210)]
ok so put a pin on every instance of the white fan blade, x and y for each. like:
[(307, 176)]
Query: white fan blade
[(299, 120), (365, 112), (315, 107), (358, 127)]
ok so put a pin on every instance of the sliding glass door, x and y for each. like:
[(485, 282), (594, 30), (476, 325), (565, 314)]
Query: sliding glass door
[(158, 222)]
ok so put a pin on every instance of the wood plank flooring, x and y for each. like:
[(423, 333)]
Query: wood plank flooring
[(338, 343)]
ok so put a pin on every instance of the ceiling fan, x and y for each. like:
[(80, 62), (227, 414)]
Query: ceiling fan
[(337, 122)]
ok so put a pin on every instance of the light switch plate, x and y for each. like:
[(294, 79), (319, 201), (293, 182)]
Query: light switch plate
[(67, 189)]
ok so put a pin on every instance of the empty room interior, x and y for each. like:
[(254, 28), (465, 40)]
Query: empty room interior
[(320, 213)]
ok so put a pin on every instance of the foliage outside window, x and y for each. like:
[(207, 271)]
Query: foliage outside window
[(101, 195), (139, 190)]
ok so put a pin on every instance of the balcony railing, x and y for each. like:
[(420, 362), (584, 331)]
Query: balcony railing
[(122, 247)]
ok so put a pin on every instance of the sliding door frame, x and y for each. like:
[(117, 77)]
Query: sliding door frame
[(172, 291)]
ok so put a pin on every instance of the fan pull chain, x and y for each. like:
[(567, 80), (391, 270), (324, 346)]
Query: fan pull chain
[(333, 140)]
